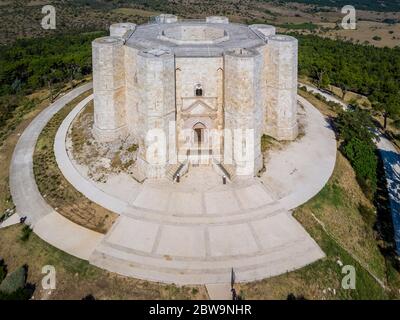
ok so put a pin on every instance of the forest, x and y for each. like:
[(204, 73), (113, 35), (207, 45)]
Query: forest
[(364, 69), (31, 64)]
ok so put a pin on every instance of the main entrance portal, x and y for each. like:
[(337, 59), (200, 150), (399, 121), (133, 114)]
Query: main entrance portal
[(199, 132), (200, 153)]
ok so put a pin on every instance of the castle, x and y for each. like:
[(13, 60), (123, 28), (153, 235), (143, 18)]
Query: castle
[(171, 76)]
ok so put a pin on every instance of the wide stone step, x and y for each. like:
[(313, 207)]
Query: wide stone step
[(187, 270), (185, 218)]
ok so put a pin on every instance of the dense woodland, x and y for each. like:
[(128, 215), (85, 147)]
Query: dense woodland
[(31, 64), (365, 69)]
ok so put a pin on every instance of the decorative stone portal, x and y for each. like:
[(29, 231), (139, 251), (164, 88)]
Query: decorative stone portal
[(199, 130)]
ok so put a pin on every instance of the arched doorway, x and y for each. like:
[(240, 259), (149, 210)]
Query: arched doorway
[(199, 134)]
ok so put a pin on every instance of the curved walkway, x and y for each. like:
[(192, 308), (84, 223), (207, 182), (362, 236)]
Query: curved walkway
[(46, 222)]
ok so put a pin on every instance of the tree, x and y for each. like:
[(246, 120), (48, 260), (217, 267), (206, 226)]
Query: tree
[(355, 124), (364, 161), (356, 132)]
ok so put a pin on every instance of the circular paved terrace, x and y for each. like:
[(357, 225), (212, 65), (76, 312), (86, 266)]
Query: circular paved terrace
[(193, 232)]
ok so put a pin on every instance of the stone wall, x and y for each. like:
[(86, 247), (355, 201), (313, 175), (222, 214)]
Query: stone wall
[(281, 87), (217, 19), (206, 73), (120, 29), (156, 109), (109, 89), (243, 108), (131, 82), (263, 30)]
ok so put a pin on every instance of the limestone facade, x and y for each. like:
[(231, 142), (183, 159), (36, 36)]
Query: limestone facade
[(195, 85)]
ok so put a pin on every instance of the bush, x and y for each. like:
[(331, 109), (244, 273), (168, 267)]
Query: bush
[(368, 214), (3, 270), (355, 123), (355, 128), (14, 281), (20, 294), (26, 233), (14, 286), (362, 157)]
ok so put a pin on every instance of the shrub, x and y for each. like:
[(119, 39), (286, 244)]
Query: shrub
[(292, 296), (355, 123), (26, 232), (14, 281), (3, 270), (133, 148), (20, 294), (368, 214), (362, 157), (355, 128)]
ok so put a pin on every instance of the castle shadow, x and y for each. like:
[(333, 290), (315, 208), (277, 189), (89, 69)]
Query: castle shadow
[(387, 202)]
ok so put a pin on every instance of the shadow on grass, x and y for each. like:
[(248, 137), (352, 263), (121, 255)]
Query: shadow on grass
[(387, 202)]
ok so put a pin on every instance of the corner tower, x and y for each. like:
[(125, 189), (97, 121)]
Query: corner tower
[(109, 89), (243, 110), (281, 87)]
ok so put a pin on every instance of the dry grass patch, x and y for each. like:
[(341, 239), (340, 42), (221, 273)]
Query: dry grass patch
[(347, 214)]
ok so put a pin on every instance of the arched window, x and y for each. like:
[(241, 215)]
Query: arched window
[(198, 90)]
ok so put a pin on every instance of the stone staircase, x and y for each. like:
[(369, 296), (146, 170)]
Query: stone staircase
[(231, 170), (174, 169), (227, 170)]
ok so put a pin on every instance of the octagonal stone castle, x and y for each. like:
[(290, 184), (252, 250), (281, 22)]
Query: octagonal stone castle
[(174, 75)]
